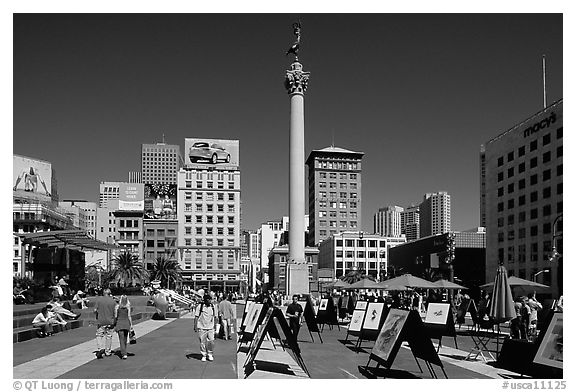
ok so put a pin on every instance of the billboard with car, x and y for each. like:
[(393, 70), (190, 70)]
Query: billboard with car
[(211, 152), (131, 197), (160, 201), (31, 178)]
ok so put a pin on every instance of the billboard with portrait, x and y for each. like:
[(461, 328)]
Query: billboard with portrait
[(31, 178), (211, 152), (160, 201), (131, 197)]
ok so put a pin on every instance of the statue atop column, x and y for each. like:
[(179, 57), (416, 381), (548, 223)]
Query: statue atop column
[(296, 45), (296, 80)]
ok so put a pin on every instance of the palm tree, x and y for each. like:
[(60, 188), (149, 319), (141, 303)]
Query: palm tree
[(166, 270), (355, 276), (128, 270)]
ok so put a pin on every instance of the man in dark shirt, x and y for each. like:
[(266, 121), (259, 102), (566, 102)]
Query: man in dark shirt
[(294, 313), (105, 323)]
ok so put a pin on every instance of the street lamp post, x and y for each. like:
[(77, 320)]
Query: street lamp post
[(538, 273), (555, 255)]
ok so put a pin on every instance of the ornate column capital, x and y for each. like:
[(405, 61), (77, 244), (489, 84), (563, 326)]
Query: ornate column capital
[(296, 80)]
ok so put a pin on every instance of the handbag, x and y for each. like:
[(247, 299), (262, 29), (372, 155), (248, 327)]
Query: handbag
[(132, 336)]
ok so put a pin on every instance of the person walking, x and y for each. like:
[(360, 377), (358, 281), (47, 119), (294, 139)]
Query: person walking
[(105, 320), (123, 316), (226, 314), (205, 321), (294, 313), (535, 306)]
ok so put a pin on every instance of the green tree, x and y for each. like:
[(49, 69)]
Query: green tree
[(167, 270), (356, 276), (128, 270)]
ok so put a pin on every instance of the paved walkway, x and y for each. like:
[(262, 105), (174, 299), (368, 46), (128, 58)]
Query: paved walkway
[(165, 349)]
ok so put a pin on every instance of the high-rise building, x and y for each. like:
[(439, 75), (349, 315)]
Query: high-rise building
[(522, 176), (410, 222), (388, 222), (334, 192), (435, 214), (209, 214), (160, 163), (135, 177)]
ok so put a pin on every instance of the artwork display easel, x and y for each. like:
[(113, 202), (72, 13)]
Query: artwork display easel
[(400, 326), (274, 324), (249, 303), (374, 317), (328, 315), (310, 316), (439, 322), (467, 305), (251, 321), (355, 325)]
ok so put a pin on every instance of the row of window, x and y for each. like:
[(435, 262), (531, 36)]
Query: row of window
[(343, 224), (160, 232), (533, 163), (168, 243), (209, 196), (533, 180), (334, 185), (519, 253), (361, 254), (210, 230), (209, 208), (337, 165), (211, 277), (209, 185), (350, 243), (210, 219), (533, 146), (546, 211), (128, 222), (209, 242), (343, 176), (334, 195), (190, 175), (521, 232), (546, 193), (342, 214)]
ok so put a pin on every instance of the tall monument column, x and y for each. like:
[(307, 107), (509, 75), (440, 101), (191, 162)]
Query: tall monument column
[(296, 82)]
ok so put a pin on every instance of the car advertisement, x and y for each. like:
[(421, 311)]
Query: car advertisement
[(211, 152), (131, 197), (32, 178), (160, 201)]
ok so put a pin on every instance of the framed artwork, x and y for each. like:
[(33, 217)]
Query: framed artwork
[(303, 304), (373, 314), (361, 305), (437, 313), (550, 352), (249, 304), (252, 317), (323, 304), (390, 332), (356, 321)]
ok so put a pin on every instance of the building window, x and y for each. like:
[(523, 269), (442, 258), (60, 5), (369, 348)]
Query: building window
[(559, 170), (533, 145), (500, 222), (522, 184), (533, 231), (546, 175), (534, 179), (500, 176), (533, 162), (546, 192), (559, 188), (522, 200), (546, 139), (521, 216), (547, 210), (511, 203), (534, 213), (559, 151), (500, 207), (546, 157), (500, 191), (510, 187), (521, 151), (533, 197), (500, 161), (510, 156), (511, 172), (521, 167)]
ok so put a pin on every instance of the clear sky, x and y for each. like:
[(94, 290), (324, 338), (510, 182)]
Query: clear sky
[(418, 94)]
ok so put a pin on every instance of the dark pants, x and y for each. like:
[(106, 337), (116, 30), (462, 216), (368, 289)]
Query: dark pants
[(295, 327), (123, 337), (45, 327)]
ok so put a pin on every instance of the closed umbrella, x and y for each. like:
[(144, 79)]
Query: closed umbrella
[(502, 303), (408, 281), (446, 284)]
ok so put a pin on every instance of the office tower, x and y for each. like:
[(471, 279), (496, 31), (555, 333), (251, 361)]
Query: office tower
[(334, 192), (160, 163), (435, 214), (410, 222), (387, 221)]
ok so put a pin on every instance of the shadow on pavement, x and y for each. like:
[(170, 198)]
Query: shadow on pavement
[(373, 372), (197, 356)]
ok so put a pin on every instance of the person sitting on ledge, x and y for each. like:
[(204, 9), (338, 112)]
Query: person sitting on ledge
[(60, 309), (44, 321), (80, 300)]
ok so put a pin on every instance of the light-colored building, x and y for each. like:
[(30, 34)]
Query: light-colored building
[(209, 225), (521, 176), (435, 214), (84, 214), (270, 235), (109, 190), (350, 250), (388, 222), (160, 240), (410, 222), (334, 192), (160, 163)]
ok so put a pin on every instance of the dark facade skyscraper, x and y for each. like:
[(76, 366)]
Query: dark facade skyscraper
[(160, 163), (334, 192)]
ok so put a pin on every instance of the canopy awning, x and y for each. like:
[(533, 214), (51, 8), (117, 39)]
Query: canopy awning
[(70, 239)]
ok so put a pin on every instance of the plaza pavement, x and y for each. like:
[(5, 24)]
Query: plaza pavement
[(169, 349)]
